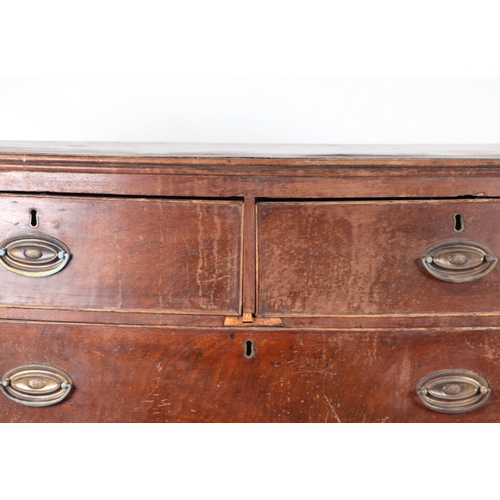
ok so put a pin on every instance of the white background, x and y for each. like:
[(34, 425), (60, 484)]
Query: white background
[(262, 71), (245, 110)]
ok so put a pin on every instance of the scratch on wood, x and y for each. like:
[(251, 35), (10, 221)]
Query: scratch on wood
[(332, 409), (215, 245), (199, 270)]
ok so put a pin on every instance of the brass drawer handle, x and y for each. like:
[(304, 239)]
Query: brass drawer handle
[(36, 385), (453, 391), (34, 255), (459, 260)]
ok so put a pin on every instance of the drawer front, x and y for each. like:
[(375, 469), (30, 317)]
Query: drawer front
[(172, 375), (127, 255), (365, 258)]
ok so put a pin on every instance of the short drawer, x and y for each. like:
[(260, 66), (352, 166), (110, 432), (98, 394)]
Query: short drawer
[(145, 374), (125, 255), (369, 258)]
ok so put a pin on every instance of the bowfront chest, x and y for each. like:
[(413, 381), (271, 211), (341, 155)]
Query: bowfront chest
[(226, 283)]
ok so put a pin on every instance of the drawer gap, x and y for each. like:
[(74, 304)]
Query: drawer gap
[(347, 199), (118, 196)]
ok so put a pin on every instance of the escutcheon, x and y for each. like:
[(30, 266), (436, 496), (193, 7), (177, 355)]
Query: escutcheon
[(459, 260), (453, 391), (36, 385), (34, 255)]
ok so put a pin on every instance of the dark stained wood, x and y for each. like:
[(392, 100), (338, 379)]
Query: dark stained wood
[(297, 323), (190, 241), (131, 255), (157, 375), (249, 257), (362, 184), (363, 258), (153, 317)]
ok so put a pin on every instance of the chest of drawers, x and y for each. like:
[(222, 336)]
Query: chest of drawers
[(184, 283)]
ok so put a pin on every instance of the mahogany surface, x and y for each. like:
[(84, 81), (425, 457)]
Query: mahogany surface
[(130, 374), (327, 258), (181, 254), (133, 255)]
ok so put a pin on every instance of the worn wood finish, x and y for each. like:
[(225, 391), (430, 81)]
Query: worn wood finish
[(321, 259), (153, 375), (155, 256), (442, 183), (349, 321), (249, 258), (183, 254)]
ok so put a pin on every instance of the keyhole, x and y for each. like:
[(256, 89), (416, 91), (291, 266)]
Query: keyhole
[(249, 349), (33, 218), (459, 223)]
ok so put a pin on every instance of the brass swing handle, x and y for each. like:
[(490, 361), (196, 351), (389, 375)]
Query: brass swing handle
[(459, 260), (453, 391), (34, 255), (36, 385)]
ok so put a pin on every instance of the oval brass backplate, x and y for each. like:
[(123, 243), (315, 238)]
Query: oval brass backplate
[(36, 385), (458, 260), (453, 391), (34, 255)]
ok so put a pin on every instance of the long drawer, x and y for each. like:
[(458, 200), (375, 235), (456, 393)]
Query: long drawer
[(147, 374), (425, 257), (121, 255)]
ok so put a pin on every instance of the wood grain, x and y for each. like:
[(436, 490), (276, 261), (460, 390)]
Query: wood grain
[(191, 241), (155, 375), (249, 257), (131, 255), (362, 258), (318, 185)]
